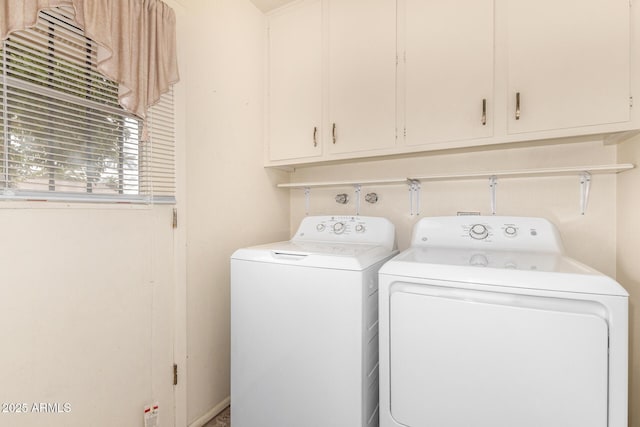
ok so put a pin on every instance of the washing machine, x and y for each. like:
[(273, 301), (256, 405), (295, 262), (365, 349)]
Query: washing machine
[(304, 325), (485, 322)]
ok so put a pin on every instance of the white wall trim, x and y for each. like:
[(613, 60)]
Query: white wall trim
[(209, 415)]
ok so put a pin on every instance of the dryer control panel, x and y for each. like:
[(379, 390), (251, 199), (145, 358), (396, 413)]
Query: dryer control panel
[(490, 232), (347, 229)]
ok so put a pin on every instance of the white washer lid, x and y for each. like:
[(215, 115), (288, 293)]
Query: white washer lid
[(532, 270), (339, 256)]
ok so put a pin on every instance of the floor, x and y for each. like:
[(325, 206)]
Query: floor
[(222, 420)]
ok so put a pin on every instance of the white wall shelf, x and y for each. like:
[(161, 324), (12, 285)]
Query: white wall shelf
[(522, 173), (584, 174)]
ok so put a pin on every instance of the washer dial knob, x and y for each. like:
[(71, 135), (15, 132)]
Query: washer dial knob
[(511, 231), (339, 227), (478, 232), (360, 228)]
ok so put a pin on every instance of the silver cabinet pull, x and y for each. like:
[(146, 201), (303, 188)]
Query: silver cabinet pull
[(315, 136), (333, 133), (517, 105), (484, 112)]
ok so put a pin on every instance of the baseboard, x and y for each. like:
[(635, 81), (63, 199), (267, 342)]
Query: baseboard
[(211, 413)]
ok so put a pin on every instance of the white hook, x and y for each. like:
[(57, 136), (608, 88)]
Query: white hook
[(414, 192), (410, 183), (307, 197), (410, 198), (416, 185), (493, 183), (585, 185)]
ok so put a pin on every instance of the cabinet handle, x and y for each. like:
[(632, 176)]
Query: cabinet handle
[(484, 112), (517, 105), (333, 133), (315, 136)]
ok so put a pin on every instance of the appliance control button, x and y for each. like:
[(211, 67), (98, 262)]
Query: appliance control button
[(360, 228), (320, 227), (478, 231), (511, 231), (339, 227)]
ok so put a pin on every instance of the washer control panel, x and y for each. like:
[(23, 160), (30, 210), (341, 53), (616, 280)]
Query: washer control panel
[(347, 229), (341, 225), (482, 231), (491, 232)]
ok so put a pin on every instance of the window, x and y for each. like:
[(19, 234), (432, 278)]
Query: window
[(63, 135)]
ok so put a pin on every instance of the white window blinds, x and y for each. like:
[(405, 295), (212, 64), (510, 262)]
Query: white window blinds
[(63, 134)]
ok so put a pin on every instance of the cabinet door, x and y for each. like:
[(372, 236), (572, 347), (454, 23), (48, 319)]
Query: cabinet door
[(448, 69), (362, 75), (295, 82), (569, 61)]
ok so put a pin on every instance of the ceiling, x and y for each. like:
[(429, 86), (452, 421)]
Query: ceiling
[(267, 5)]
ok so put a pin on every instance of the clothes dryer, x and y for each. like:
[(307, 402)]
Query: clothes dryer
[(304, 325), (485, 322)]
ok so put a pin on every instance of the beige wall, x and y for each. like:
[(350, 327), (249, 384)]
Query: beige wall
[(628, 265), (232, 199), (590, 238)]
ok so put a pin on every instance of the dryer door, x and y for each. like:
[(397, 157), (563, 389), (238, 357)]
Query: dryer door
[(461, 357)]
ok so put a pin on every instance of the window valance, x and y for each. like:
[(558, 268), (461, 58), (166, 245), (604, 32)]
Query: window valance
[(136, 42)]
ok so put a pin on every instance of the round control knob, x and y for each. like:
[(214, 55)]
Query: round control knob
[(478, 231), (511, 231), (338, 227), (360, 228), (320, 227)]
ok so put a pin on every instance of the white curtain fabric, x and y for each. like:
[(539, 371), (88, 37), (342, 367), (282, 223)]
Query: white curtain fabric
[(136, 42)]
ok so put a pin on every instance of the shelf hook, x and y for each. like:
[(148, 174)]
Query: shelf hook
[(414, 195), (416, 185), (410, 184), (493, 183), (307, 198), (585, 185), (358, 191)]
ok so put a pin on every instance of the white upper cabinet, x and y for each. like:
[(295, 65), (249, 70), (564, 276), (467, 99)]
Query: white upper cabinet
[(359, 78), (568, 63), (361, 75), (295, 82), (448, 62)]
